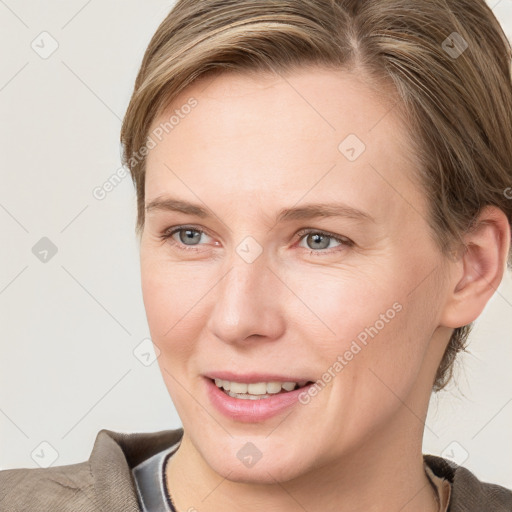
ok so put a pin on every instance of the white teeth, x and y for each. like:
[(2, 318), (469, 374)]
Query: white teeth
[(289, 386), (246, 396), (256, 389), (238, 387), (273, 387), (222, 384)]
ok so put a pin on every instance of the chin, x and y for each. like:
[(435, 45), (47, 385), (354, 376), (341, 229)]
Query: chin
[(262, 473), (249, 465)]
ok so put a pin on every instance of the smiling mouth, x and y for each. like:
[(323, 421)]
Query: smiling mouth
[(257, 390)]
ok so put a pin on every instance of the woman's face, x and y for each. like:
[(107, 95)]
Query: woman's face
[(287, 282)]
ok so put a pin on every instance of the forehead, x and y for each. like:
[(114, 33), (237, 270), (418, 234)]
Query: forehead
[(319, 133)]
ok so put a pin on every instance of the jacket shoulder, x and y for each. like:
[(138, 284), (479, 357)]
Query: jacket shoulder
[(470, 491), (469, 494), (60, 488), (102, 483)]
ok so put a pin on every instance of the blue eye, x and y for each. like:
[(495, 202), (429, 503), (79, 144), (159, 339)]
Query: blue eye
[(321, 240), (195, 237), (191, 235)]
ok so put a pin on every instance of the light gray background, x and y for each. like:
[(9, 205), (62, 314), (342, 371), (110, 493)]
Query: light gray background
[(70, 326)]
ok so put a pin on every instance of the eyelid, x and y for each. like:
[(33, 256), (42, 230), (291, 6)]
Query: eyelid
[(339, 238)]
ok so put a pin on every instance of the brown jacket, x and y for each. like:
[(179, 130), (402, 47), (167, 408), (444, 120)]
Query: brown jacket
[(105, 483)]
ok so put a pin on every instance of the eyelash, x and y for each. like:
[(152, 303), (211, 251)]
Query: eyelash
[(344, 242)]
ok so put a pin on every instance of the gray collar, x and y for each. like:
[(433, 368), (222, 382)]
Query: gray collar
[(150, 482)]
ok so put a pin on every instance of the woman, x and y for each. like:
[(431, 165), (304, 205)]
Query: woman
[(323, 211)]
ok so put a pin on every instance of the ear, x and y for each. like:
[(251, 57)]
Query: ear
[(478, 272)]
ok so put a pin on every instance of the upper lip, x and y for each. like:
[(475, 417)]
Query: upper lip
[(256, 377)]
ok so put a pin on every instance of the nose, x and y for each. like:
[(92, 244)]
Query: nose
[(249, 303)]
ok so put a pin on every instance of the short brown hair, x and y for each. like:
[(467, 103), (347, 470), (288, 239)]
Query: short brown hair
[(448, 62)]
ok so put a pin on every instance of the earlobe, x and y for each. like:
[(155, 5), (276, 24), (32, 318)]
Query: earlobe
[(479, 271)]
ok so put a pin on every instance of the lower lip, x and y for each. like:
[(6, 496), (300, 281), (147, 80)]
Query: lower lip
[(251, 411)]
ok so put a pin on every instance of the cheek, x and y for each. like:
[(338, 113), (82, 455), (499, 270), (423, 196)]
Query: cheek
[(174, 311), (344, 303), (369, 322), (174, 299)]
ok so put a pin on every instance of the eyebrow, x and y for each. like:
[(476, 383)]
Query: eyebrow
[(309, 211)]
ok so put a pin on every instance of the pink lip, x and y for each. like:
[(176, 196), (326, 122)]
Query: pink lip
[(251, 411)]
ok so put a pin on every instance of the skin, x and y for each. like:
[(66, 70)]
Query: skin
[(252, 146)]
